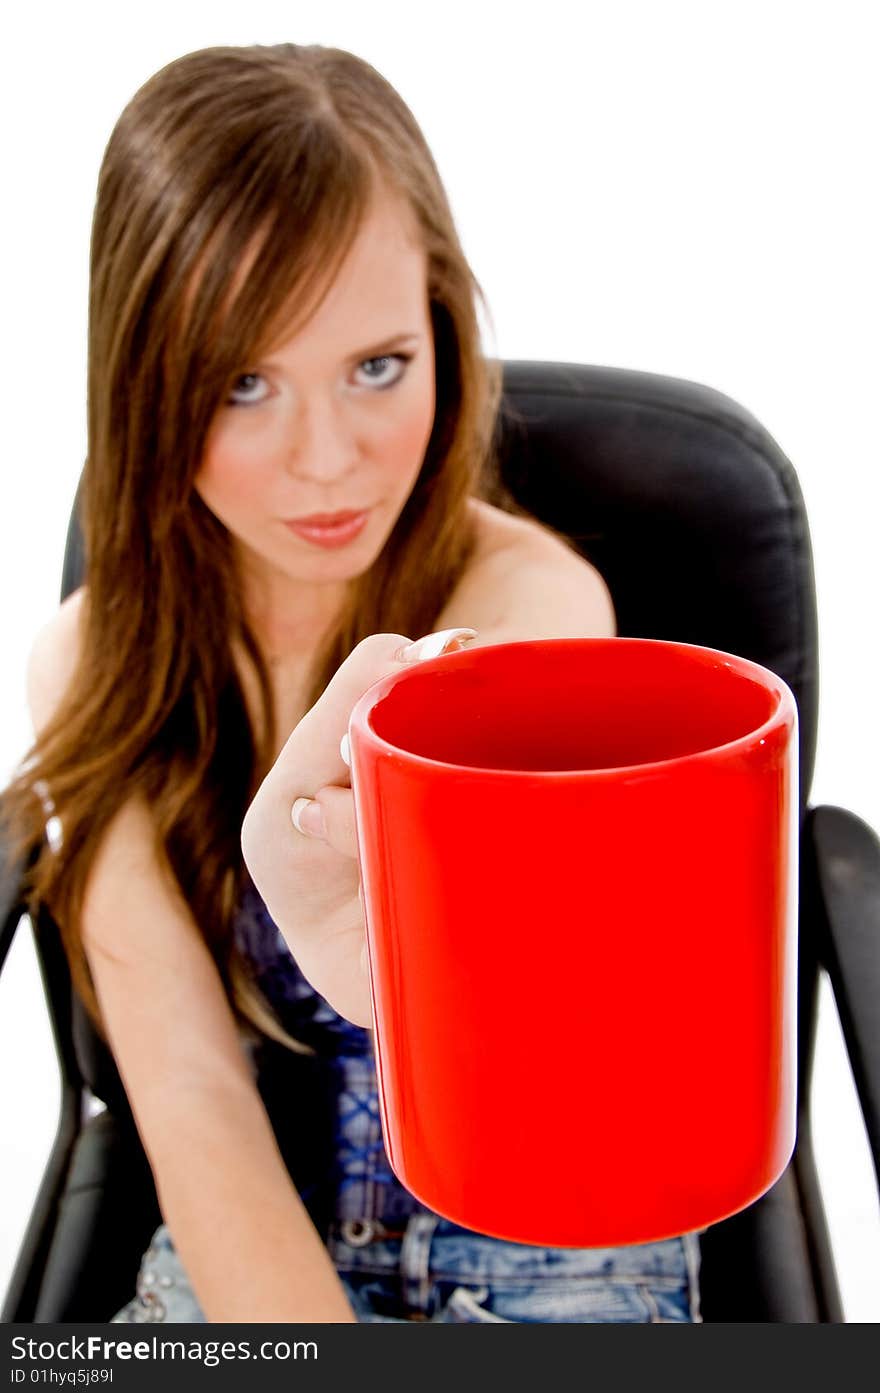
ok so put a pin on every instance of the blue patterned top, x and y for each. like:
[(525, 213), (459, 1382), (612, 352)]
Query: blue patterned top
[(301, 1010), (364, 1184)]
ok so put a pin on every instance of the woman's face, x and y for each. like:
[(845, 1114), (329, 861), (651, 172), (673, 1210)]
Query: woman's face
[(333, 421)]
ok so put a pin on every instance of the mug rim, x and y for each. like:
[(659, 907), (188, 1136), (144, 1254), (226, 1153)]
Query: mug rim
[(785, 713)]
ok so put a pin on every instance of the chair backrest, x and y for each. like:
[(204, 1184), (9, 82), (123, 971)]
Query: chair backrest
[(696, 520), (686, 505)]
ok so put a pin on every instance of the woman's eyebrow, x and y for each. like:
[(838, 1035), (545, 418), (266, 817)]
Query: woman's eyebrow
[(374, 350), (377, 349)]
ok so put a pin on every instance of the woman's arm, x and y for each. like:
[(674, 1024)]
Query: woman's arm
[(243, 1234)]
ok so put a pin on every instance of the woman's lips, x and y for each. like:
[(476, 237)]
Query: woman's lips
[(329, 529)]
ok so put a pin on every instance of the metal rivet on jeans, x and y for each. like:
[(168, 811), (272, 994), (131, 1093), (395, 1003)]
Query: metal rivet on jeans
[(357, 1233)]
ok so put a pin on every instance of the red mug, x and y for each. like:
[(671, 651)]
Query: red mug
[(579, 868)]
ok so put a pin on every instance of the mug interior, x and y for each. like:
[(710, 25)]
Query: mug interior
[(574, 704)]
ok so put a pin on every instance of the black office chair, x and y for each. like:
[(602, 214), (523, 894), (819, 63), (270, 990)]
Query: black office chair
[(696, 520)]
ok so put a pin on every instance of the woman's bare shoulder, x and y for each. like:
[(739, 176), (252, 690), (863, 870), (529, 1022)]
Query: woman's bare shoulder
[(523, 581), (496, 529), (53, 657), (522, 535)]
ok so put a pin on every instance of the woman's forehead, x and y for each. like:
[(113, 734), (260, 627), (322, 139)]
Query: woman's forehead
[(374, 275), (379, 289)]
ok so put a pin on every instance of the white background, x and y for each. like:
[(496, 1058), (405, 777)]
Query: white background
[(685, 188)]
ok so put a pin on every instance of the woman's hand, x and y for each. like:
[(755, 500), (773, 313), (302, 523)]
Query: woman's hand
[(299, 838)]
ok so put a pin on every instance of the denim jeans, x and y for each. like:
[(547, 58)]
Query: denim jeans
[(434, 1270), (438, 1271)]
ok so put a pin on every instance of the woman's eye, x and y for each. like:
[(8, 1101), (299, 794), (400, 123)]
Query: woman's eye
[(381, 377), (249, 389)]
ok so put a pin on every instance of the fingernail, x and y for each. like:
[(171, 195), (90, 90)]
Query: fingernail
[(434, 645), (308, 817), (345, 751)]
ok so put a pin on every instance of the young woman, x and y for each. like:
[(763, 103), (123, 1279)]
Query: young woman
[(288, 481)]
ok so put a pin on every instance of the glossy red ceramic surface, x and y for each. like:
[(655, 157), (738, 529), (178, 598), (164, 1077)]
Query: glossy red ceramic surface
[(579, 861)]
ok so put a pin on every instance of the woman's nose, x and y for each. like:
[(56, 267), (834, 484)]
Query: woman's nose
[(321, 445)]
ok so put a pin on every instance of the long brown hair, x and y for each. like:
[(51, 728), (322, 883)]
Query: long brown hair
[(226, 150)]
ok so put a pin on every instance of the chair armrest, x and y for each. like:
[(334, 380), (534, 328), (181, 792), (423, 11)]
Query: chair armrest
[(105, 1217), (846, 858), (22, 1291)]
